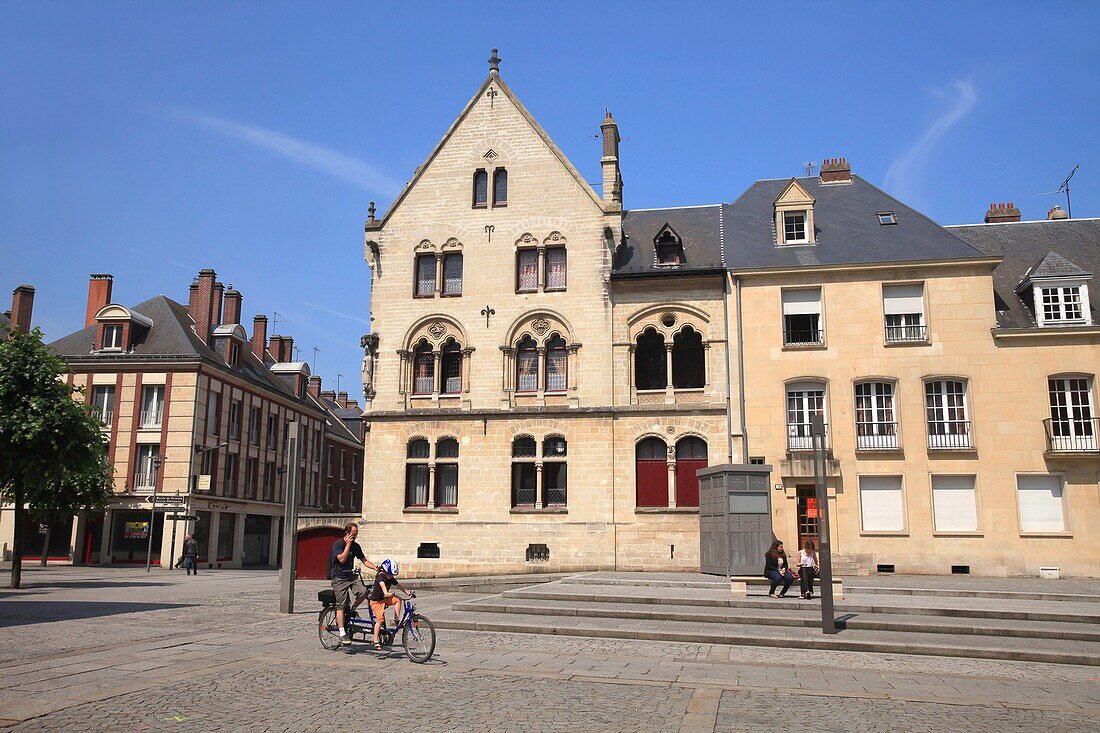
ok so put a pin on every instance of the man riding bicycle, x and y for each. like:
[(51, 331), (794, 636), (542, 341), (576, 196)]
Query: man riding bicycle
[(346, 583), (381, 596)]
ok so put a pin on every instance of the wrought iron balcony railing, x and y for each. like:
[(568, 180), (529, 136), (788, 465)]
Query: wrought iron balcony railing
[(800, 439), (151, 418), (949, 435), (903, 334), (1072, 435), (807, 337), (876, 436)]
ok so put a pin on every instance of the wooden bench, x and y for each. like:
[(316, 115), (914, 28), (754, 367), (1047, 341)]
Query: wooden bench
[(739, 584)]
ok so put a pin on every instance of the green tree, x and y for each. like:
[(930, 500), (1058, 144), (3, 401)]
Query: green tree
[(52, 456)]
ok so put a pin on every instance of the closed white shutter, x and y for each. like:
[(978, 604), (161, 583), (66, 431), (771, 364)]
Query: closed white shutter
[(802, 302), (881, 505), (1040, 499), (953, 504), (898, 299)]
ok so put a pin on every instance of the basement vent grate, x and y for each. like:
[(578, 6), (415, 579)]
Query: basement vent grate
[(428, 550), (884, 568), (538, 553), (960, 570)]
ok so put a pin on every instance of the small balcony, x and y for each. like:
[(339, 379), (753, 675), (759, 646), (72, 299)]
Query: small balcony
[(906, 334), (876, 436), (151, 419), (949, 435), (803, 338), (106, 418), (800, 439), (145, 480), (1072, 435)]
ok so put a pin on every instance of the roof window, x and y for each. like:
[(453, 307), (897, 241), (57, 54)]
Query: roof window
[(887, 217)]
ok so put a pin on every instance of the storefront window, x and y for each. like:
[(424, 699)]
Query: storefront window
[(226, 528), (130, 537), (202, 534)]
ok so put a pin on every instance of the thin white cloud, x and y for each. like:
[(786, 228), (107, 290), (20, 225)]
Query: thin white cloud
[(330, 311), (338, 165), (904, 175)]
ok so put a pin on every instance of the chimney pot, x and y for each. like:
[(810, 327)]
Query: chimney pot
[(1001, 212), (233, 300), (22, 304), (259, 337), (315, 387), (342, 399), (835, 170), (201, 302), (99, 295)]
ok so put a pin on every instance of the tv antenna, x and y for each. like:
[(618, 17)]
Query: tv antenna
[(275, 321), (1064, 188), (315, 350), (808, 167)]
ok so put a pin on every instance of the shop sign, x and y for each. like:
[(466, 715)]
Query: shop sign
[(136, 530), (203, 482), (219, 506), (811, 507)]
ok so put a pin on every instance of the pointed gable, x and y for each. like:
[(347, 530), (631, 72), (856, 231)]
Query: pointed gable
[(794, 195)]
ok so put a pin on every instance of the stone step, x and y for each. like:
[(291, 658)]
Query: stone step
[(963, 593), (982, 647), (1080, 613), (806, 616)]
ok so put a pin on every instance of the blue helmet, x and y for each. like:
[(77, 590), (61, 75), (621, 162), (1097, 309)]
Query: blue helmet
[(389, 566)]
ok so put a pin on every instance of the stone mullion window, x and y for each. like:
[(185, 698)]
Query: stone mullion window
[(670, 389), (540, 375)]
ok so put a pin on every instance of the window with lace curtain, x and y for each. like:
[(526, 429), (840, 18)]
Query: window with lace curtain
[(555, 268), (452, 273), (527, 270), (451, 364), (527, 366), (556, 364), (446, 472), (423, 370), (425, 276), (500, 187), (481, 188), (416, 473)]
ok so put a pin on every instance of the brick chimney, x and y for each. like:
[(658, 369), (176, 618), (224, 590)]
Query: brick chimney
[(232, 313), (1057, 213), (216, 305), (314, 387), (99, 295), (342, 400), (281, 349), (353, 404), (999, 213), (259, 337), (22, 303), (199, 305), (836, 170), (612, 175), (329, 395)]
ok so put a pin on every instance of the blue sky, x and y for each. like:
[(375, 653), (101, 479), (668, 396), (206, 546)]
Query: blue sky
[(150, 140)]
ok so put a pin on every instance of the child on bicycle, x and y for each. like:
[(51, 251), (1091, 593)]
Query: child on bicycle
[(381, 596)]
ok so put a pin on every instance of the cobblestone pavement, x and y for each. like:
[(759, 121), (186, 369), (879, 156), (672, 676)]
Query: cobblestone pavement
[(114, 649)]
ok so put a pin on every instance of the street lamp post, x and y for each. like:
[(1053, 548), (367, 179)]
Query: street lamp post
[(152, 513)]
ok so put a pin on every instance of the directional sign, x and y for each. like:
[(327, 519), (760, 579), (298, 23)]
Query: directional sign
[(182, 518), (175, 499)]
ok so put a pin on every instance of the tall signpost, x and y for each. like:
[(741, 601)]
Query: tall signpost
[(290, 522), (828, 617), (152, 514)]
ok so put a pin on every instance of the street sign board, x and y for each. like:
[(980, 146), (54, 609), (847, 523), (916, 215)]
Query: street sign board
[(173, 499), (182, 518)]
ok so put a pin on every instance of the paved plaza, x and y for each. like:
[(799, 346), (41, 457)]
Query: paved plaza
[(90, 649)]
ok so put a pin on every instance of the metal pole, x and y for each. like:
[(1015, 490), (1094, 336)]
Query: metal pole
[(152, 515), (290, 522), (828, 617)]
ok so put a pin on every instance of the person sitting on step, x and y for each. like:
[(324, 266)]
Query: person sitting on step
[(777, 569)]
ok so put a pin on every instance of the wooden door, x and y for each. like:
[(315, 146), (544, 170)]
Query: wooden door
[(809, 514)]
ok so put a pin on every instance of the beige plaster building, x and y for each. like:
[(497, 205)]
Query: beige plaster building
[(549, 370)]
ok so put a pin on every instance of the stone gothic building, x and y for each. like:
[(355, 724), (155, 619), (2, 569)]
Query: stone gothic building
[(549, 370)]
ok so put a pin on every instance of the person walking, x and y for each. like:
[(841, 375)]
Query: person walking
[(190, 554)]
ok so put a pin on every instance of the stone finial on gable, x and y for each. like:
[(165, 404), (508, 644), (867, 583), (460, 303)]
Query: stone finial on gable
[(494, 63)]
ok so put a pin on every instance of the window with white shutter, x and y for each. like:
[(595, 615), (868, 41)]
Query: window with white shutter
[(1040, 501), (954, 504), (881, 504), (903, 308), (802, 317)]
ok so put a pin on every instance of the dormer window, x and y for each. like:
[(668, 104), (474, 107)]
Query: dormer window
[(112, 337), (794, 227), (234, 353), (1060, 304), (794, 215), (668, 248)]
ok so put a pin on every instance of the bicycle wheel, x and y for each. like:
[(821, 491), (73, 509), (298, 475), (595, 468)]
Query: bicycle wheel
[(327, 629), (418, 638)]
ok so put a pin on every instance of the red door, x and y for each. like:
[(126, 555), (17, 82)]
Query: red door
[(314, 546)]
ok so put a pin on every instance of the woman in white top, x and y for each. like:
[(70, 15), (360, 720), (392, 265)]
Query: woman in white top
[(807, 569)]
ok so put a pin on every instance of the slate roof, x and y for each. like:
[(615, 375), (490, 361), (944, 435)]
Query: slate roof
[(847, 229), (170, 337), (699, 229), (1025, 245), (1055, 265), (4, 320), (347, 420)]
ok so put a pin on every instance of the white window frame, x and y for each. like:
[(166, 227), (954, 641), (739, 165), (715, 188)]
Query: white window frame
[(948, 478), (152, 410), (112, 344), (904, 313), (878, 434), (1061, 289), (799, 302), (943, 441), (103, 398), (798, 433), (1061, 479), (805, 238), (1077, 422), (904, 510)]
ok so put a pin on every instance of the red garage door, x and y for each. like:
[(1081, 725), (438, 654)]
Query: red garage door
[(314, 546)]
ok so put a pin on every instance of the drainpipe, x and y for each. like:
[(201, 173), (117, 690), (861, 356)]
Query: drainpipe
[(741, 371), (729, 379)]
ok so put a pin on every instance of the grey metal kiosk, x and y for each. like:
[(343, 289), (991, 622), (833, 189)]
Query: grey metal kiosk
[(735, 522)]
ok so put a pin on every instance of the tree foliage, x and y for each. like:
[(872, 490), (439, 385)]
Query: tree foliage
[(52, 455)]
